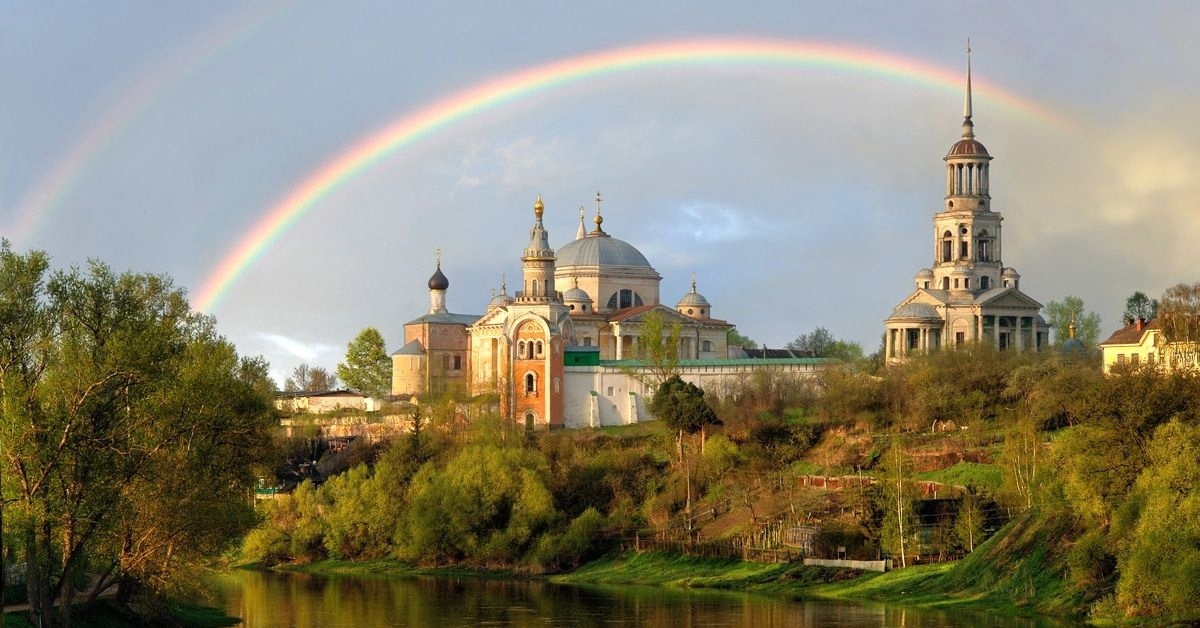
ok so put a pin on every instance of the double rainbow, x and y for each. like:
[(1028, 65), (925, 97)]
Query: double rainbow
[(414, 126)]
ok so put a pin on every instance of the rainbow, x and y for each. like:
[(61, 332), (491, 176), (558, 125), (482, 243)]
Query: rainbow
[(40, 202), (416, 125)]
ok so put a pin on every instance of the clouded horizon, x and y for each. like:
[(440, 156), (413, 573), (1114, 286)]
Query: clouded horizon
[(155, 137)]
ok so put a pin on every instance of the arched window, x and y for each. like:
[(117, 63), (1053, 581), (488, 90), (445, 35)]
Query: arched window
[(707, 345), (945, 283), (983, 283), (538, 353), (530, 384), (967, 283), (947, 244), (624, 298), (521, 349), (534, 292)]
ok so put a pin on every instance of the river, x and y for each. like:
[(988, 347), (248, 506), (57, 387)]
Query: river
[(296, 600)]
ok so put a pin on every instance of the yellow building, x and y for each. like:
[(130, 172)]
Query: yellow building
[(1140, 342)]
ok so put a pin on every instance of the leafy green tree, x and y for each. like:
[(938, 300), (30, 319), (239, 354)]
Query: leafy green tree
[(367, 368), (682, 406), (1159, 529), (1060, 315), (734, 338), (307, 378), (898, 497), (968, 525), (115, 395), (818, 343), (658, 346), (1139, 306)]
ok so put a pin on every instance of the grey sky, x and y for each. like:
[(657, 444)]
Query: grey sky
[(800, 196)]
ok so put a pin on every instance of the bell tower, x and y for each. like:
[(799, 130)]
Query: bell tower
[(537, 263), (967, 232)]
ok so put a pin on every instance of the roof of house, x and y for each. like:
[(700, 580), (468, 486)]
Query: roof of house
[(444, 317), (1130, 334)]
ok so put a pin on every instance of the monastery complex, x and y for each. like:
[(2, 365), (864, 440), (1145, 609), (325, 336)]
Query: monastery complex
[(564, 349)]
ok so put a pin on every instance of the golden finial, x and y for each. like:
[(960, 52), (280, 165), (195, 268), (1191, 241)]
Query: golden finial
[(1071, 329), (599, 220), (538, 207)]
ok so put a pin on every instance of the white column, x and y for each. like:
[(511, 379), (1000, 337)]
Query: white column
[(1020, 333), (620, 344)]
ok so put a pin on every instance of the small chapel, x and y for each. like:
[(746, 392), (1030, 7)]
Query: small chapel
[(969, 295)]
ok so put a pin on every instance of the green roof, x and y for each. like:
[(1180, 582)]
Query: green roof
[(725, 362)]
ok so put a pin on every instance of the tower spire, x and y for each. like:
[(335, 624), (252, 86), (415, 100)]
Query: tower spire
[(582, 231), (968, 126)]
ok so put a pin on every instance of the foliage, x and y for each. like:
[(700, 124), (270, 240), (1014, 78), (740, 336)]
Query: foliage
[(367, 368), (1061, 314), (130, 429), (816, 343), (734, 338), (658, 347), (1179, 317), (1157, 532), (1140, 307), (307, 378), (681, 406)]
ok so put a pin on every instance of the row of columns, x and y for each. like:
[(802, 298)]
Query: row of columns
[(965, 179), (897, 339)]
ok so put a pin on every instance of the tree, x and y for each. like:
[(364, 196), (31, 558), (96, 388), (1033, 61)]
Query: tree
[(1140, 307), (307, 378), (898, 500), (1061, 314), (816, 343), (367, 368), (682, 406), (128, 431), (733, 338), (1179, 315), (968, 525), (658, 346)]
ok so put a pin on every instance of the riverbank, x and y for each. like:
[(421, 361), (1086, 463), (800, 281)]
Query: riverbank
[(107, 614)]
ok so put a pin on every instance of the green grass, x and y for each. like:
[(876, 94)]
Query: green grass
[(388, 568), (106, 614), (675, 570), (1019, 570), (984, 476)]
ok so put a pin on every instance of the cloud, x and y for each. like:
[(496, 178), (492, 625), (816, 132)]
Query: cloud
[(308, 352), (707, 223)]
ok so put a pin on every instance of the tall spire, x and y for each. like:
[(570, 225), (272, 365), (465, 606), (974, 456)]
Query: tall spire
[(582, 231), (968, 126)]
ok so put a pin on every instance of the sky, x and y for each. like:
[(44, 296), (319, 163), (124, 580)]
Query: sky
[(163, 137)]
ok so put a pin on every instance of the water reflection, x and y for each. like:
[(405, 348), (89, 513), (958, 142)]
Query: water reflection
[(269, 600)]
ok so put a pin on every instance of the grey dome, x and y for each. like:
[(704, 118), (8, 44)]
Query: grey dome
[(924, 272), (500, 300), (1010, 272), (915, 310), (577, 294), (694, 299), (600, 250)]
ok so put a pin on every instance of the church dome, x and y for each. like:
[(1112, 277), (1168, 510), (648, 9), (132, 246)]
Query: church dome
[(915, 310), (600, 249), (499, 300), (924, 273), (576, 294), (1011, 272), (694, 299), (438, 281), (968, 147)]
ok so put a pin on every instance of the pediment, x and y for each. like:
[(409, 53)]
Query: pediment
[(1009, 298)]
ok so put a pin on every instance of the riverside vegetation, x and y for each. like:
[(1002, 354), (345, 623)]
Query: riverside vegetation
[(1092, 482)]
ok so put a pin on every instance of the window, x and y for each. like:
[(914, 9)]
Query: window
[(539, 349), (689, 311), (610, 391), (1150, 358), (624, 298), (945, 283), (707, 345), (959, 338), (962, 250), (572, 306), (983, 283), (534, 293), (967, 283), (956, 283), (530, 384), (946, 243), (587, 341), (1133, 359), (521, 349), (458, 362), (1120, 358)]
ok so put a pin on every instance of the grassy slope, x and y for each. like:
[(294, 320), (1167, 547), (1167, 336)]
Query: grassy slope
[(1022, 567)]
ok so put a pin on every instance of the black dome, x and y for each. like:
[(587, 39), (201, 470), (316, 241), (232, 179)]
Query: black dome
[(438, 281)]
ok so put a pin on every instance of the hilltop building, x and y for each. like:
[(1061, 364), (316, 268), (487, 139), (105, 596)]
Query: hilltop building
[(569, 358), (969, 295)]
